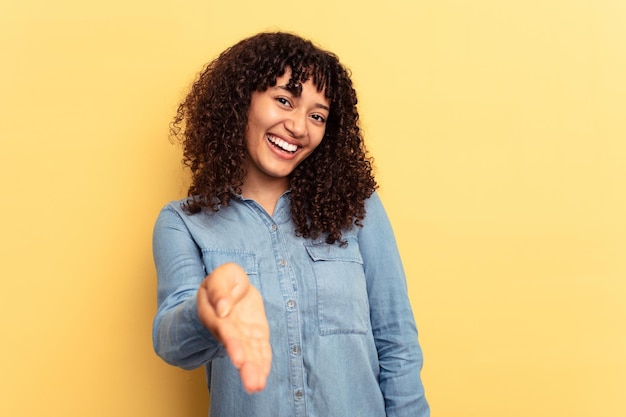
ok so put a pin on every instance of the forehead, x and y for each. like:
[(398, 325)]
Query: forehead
[(295, 86)]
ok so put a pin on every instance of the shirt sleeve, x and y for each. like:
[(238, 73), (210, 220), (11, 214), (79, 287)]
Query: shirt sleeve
[(178, 335), (393, 323)]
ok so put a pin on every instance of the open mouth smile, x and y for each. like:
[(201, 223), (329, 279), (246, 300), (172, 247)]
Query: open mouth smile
[(281, 144)]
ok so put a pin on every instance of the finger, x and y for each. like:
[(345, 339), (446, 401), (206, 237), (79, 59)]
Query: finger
[(266, 354), (240, 344), (226, 285), (234, 348), (254, 373), (223, 329), (252, 379), (252, 356)]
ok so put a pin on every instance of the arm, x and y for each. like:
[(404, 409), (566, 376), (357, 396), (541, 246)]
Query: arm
[(393, 324), (200, 318), (178, 335)]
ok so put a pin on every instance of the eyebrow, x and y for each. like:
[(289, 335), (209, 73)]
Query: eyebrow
[(322, 106), (290, 90)]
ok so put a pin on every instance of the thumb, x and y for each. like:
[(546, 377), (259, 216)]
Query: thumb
[(226, 285)]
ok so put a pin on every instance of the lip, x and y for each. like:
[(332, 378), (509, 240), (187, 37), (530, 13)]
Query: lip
[(280, 152)]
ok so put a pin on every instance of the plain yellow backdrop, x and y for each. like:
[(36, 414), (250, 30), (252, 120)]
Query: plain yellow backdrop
[(498, 129)]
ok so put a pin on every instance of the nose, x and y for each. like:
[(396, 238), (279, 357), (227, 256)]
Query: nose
[(296, 124)]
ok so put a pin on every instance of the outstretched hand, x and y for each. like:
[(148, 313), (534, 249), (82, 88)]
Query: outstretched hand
[(232, 309)]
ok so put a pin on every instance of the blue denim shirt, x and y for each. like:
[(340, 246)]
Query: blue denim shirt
[(342, 332)]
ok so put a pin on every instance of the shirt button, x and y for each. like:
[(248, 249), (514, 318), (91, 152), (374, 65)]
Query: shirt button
[(283, 262), (295, 350), (274, 227), (291, 304), (298, 394)]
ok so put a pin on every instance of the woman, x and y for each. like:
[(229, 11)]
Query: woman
[(280, 273)]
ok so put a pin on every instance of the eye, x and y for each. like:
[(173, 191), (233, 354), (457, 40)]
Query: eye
[(284, 101), (318, 118)]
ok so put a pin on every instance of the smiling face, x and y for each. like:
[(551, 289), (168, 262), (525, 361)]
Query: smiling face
[(283, 130)]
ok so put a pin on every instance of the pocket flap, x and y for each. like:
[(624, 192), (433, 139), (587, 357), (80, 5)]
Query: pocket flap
[(216, 257)]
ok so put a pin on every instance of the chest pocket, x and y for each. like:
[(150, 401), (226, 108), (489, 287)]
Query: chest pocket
[(213, 258), (342, 301)]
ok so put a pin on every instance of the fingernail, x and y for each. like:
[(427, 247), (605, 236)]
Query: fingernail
[(222, 308)]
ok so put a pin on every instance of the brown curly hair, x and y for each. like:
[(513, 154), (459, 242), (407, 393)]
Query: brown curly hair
[(329, 188)]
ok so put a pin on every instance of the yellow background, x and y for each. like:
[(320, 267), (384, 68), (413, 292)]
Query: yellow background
[(498, 129)]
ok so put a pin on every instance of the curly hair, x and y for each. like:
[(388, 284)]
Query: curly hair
[(329, 188)]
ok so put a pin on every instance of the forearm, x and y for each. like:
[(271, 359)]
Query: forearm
[(400, 366), (179, 337)]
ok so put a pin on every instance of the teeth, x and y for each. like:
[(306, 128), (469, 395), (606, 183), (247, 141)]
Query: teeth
[(282, 144)]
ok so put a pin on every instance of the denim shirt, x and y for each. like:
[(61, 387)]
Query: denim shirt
[(342, 332)]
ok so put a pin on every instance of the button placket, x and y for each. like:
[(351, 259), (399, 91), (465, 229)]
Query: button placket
[(287, 284)]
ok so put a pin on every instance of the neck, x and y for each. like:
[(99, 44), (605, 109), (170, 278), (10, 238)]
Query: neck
[(266, 194)]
